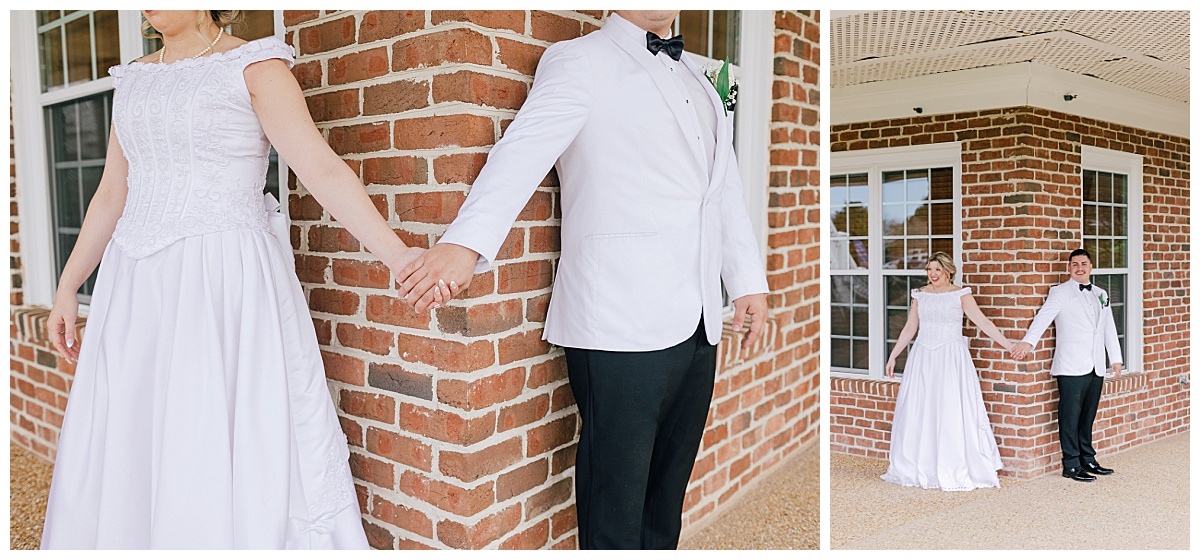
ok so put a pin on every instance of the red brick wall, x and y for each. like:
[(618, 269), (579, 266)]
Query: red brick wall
[(462, 426), (461, 423), (1022, 194)]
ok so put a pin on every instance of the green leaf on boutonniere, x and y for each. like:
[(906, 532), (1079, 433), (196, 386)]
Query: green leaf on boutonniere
[(722, 83)]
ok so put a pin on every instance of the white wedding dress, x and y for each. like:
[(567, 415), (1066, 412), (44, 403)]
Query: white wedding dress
[(199, 415), (941, 436)]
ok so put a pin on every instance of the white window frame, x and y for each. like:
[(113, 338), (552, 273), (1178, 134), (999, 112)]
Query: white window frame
[(1130, 165), (33, 184), (874, 163)]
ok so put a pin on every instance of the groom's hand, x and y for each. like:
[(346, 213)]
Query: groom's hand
[(446, 267), (754, 305), (1116, 370), (1020, 350)]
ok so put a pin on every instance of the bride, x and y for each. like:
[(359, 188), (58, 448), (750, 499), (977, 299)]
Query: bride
[(941, 437), (199, 415)]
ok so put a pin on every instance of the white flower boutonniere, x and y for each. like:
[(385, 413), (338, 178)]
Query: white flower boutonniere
[(1103, 300), (724, 82)]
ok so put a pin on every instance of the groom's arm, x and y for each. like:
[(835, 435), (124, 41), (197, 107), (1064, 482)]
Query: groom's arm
[(742, 268), (741, 263), (1111, 343), (555, 111), (1043, 319)]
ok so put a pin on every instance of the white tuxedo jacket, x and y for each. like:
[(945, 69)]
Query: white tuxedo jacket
[(1084, 330), (648, 233)]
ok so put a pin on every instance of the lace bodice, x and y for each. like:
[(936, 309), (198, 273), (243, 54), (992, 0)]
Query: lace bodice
[(197, 154), (940, 315)]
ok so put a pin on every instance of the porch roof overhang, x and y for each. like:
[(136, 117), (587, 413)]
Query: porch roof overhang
[(1127, 67)]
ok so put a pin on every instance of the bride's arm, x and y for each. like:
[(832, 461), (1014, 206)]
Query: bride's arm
[(971, 309), (98, 224), (906, 336), (280, 106)]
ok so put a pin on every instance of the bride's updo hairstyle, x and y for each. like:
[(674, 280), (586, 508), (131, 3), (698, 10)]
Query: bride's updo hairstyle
[(946, 263), (220, 18)]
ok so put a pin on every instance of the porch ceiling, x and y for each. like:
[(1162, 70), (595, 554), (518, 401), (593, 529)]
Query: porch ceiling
[(1147, 51)]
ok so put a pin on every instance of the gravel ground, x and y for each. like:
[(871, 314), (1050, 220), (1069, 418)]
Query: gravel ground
[(1143, 506), (781, 512), (28, 484)]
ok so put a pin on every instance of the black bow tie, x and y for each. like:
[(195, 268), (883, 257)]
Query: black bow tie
[(1083, 287), (673, 46)]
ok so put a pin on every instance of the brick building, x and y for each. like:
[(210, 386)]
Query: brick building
[(1009, 139), (461, 423)]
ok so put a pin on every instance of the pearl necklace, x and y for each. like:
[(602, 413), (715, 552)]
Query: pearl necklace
[(220, 32)]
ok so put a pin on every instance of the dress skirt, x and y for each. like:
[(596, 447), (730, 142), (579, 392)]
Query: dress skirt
[(941, 435), (199, 416)]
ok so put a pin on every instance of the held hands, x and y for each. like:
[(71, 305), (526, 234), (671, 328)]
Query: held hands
[(61, 325), (1020, 350), (437, 275), (754, 305)]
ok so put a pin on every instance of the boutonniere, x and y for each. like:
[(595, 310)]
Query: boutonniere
[(1103, 300), (724, 82)]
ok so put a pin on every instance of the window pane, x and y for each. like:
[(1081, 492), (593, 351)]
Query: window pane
[(256, 25), (893, 186), (860, 326), (918, 219), (79, 50), (1104, 187), (51, 59), (1104, 221), (839, 320), (917, 255), (1089, 186), (893, 254), (75, 175), (725, 35), (839, 353), (108, 48), (47, 16), (862, 354), (66, 196), (693, 25), (941, 218), (859, 223), (93, 129), (894, 217), (917, 185), (1119, 255), (1119, 221), (1120, 189), (1090, 223), (943, 245), (941, 184)]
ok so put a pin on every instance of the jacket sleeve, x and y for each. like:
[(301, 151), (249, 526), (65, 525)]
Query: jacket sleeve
[(549, 120), (742, 267), (1111, 342), (1045, 316)]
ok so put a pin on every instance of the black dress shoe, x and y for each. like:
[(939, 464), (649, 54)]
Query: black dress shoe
[(1095, 468), (1077, 473)]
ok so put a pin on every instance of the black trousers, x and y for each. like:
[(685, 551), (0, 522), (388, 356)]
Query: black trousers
[(1078, 400), (643, 416)]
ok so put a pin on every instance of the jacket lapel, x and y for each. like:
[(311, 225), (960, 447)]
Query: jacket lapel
[(724, 128), (669, 91)]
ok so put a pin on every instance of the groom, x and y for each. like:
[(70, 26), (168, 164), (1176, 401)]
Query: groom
[(653, 222), (1084, 325)]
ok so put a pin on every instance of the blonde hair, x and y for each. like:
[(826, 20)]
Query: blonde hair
[(945, 262), (220, 18)]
